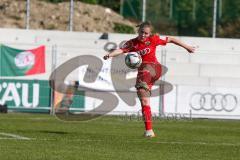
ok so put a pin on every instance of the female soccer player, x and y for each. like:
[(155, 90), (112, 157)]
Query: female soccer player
[(145, 44)]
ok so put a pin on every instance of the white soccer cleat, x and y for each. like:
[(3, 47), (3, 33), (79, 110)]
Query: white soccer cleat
[(149, 134)]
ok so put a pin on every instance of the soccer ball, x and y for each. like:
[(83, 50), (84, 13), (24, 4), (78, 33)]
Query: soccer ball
[(133, 60)]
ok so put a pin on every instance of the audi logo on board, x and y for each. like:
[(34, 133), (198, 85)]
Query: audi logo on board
[(213, 102)]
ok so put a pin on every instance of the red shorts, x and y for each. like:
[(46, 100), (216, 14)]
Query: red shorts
[(148, 74)]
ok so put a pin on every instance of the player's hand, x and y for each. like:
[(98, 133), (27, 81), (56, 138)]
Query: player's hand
[(191, 49), (106, 57)]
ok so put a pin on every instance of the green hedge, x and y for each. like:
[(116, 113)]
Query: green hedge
[(122, 28)]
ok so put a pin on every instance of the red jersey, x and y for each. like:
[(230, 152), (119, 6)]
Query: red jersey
[(146, 48)]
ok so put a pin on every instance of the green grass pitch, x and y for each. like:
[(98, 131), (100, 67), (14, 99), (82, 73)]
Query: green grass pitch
[(115, 138)]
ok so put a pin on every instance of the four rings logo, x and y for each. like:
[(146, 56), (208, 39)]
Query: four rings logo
[(213, 102)]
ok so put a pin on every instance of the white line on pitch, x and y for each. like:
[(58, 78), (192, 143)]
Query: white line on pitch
[(162, 142), (6, 138), (15, 136)]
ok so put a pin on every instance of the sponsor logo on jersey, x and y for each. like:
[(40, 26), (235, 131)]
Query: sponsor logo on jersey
[(144, 51)]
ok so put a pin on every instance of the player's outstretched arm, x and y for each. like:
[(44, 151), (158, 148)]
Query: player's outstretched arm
[(190, 49), (113, 53)]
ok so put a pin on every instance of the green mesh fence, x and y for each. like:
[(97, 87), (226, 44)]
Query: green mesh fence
[(187, 17)]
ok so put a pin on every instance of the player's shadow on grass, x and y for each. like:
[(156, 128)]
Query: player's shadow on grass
[(42, 131), (53, 132)]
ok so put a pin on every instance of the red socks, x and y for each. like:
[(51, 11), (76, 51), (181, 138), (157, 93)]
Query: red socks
[(147, 117)]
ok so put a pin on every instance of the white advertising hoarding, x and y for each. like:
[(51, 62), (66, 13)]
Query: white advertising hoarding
[(204, 102), (122, 88)]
